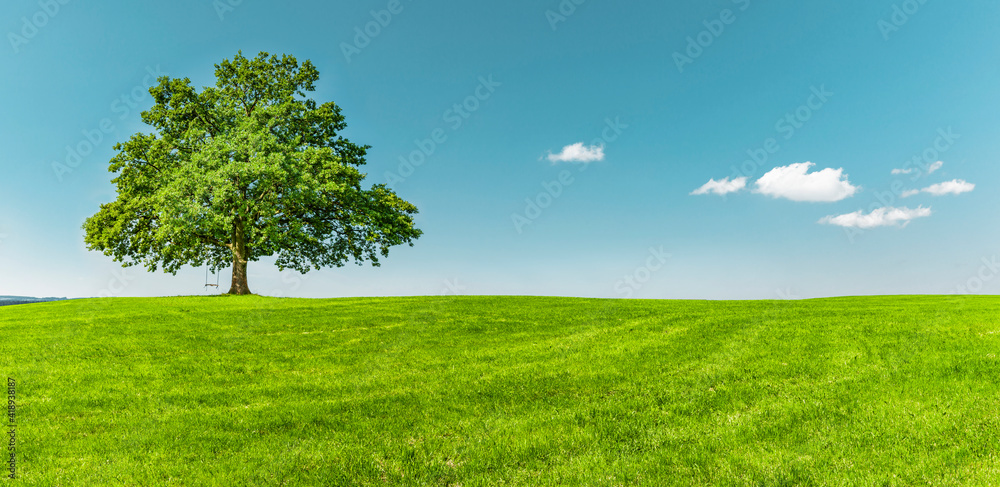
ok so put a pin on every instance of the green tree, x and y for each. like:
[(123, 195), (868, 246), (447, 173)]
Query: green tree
[(247, 169)]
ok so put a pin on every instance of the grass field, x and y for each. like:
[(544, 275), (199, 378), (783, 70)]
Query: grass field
[(505, 391)]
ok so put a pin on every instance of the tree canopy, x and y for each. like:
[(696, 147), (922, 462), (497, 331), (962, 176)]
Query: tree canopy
[(247, 169)]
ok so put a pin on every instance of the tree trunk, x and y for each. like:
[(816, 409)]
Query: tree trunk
[(239, 285)]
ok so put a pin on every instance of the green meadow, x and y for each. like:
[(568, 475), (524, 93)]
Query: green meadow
[(478, 391)]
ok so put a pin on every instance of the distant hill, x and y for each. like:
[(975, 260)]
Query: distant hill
[(9, 300)]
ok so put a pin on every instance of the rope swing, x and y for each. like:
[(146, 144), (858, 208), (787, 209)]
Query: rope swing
[(207, 284)]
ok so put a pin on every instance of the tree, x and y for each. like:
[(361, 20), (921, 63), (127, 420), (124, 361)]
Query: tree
[(247, 169)]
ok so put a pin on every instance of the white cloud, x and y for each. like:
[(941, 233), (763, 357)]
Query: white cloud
[(578, 153), (955, 186), (722, 187), (794, 182), (881, 217), (930, 169)]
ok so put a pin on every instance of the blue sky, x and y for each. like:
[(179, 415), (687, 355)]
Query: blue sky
[(664, 97)]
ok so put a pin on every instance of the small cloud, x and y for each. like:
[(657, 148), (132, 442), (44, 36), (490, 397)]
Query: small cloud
[(578, 153), (910, 192), (722, 187), (930, 169), (794, 182), (955, 186), (882, 217)]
